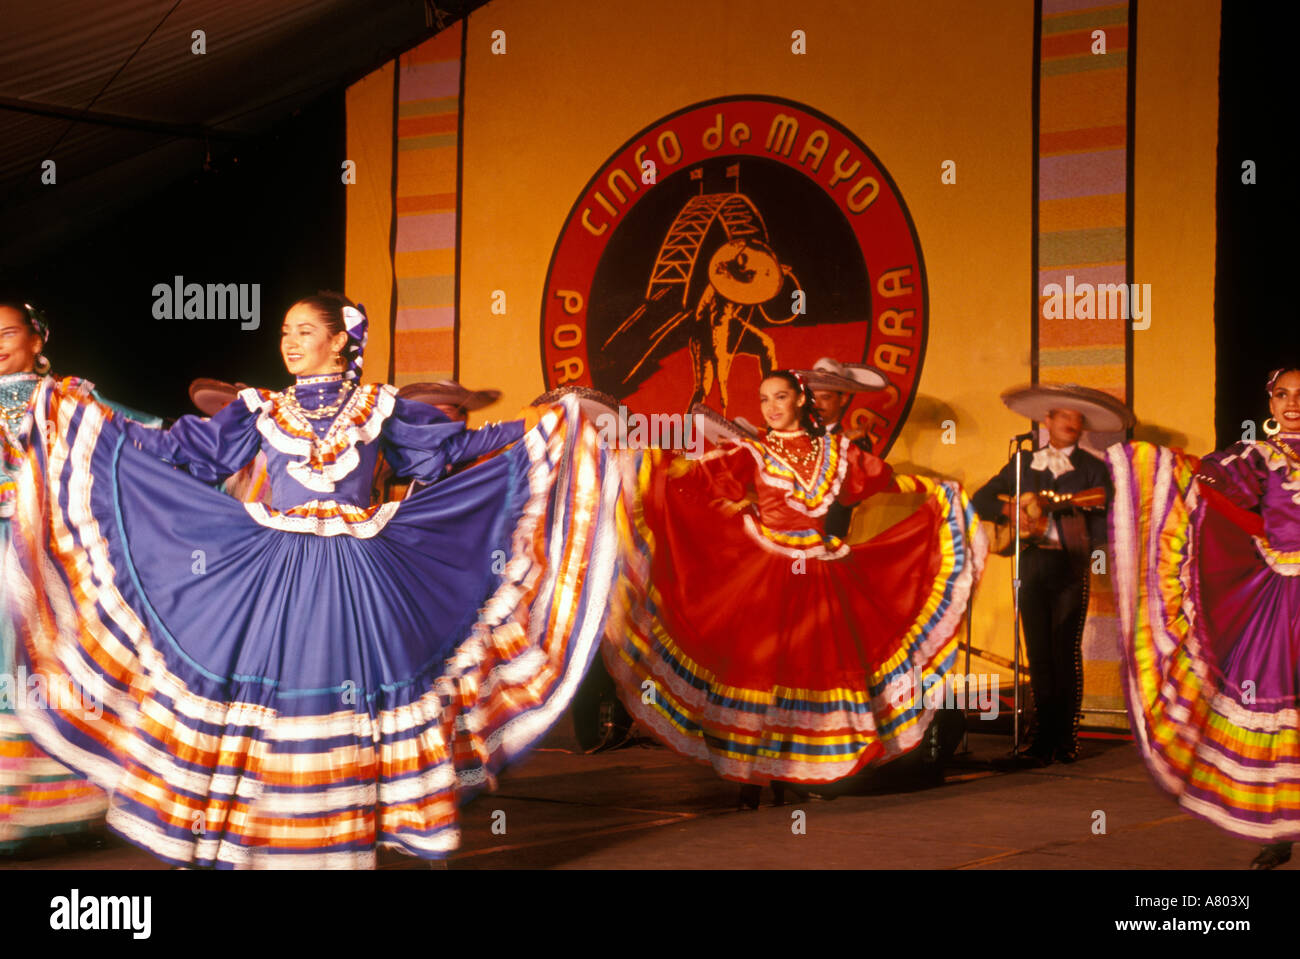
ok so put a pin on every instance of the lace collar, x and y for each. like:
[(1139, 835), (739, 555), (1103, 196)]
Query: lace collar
[(811, 498), (329, 458)]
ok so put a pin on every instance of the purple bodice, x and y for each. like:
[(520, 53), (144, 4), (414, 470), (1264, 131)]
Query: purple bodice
[(316, 393)]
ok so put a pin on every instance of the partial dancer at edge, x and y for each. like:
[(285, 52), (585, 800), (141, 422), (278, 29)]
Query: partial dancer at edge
[(1207, 580), (300, 684), (753, 640), (38, 797)]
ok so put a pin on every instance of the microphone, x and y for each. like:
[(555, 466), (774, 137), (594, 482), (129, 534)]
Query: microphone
[(1021, 437)]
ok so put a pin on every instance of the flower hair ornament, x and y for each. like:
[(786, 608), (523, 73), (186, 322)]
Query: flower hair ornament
[(1276, 375), (354, 318), (41, 325)]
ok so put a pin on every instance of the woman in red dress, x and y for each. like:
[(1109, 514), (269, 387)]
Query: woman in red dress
[(746, 636)]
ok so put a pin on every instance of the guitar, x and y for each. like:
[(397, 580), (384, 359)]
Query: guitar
[(1036, 512)]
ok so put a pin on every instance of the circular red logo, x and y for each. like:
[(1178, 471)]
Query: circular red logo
[(733, 237)]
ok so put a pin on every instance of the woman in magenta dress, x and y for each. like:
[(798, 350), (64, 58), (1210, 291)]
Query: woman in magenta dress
[(747, 637), (300, 684), (1207, 580)]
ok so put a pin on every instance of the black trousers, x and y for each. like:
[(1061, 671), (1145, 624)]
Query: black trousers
[(1053, 604)]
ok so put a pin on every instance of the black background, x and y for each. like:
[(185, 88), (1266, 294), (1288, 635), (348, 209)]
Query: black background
[(1255, 312), (270, 211)]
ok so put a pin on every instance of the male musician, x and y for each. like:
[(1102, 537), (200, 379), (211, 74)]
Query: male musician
[(1054, 569), (833, 384)]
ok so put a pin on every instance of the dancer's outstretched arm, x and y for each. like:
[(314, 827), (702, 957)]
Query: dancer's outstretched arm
[(209, 449), (420, 442)]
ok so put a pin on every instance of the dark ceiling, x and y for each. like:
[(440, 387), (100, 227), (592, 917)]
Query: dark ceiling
[(117, 96)]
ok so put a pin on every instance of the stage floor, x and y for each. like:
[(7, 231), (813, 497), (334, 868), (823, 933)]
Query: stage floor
[(644, 808)]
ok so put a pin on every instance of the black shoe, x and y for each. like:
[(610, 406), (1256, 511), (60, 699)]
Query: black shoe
[(1035, 757), (1272, 856), (750, 794), (1065, 754), (779, 787), (1019, 761), (1040, 752)]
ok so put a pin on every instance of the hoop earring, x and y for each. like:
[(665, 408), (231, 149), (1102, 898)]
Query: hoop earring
[(1271, 430), (41, 365)]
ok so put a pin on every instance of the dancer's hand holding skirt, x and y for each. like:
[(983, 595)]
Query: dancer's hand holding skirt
[(745, 637), (298, 687)]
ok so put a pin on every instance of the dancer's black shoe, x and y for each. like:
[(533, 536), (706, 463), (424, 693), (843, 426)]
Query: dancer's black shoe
[(1272, 856), (750, 794)]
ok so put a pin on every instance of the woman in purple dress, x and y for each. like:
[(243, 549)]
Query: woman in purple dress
[(1207, 581), (302, 683)]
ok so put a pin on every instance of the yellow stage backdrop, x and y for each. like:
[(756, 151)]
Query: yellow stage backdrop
[(944, 116)]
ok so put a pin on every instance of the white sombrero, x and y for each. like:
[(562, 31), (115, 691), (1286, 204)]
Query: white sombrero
[(829, 374), (1101, 411)]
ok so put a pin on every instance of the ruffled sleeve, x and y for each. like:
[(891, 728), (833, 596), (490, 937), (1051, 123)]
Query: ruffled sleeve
[(419, 442), (1237, 473), (866, 475), (209, 449)]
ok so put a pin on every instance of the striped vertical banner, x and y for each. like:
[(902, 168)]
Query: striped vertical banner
[(425, 200), (1082, 214)]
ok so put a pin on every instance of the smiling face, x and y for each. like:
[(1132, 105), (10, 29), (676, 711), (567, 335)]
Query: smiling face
[(780, 403), (306, 344), (1064, 427), (18, 343), (1284, 401)]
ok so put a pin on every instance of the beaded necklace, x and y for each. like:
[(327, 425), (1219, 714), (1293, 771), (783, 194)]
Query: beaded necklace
[(325, 410), (298, 418), (792, 458), (15, 393)]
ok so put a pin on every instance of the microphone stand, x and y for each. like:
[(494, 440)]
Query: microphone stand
[(1015, 602)]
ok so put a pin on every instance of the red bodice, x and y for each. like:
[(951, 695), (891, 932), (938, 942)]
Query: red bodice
[(794, 479)]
